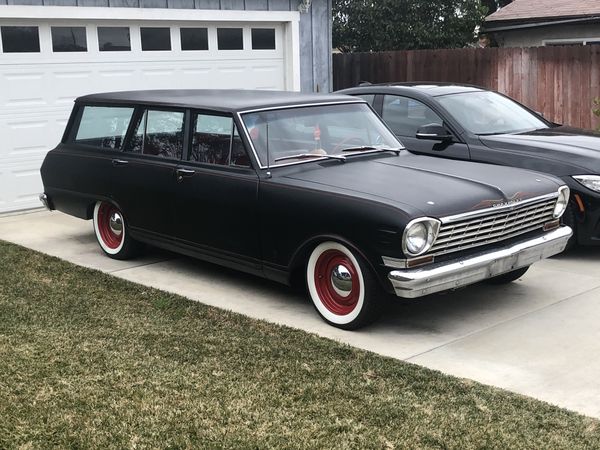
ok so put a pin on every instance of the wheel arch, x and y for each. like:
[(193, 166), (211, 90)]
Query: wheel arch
[(302, 253)]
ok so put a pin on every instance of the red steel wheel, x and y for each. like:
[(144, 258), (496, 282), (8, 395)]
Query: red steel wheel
[(111, 231), (341, 286), (110, 226), (336, 279)]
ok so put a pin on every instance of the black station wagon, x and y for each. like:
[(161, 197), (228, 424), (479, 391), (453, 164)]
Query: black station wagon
[(281, 184)]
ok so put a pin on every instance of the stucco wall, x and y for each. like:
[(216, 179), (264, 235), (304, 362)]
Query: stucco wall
[(315, 27), (535, 37)]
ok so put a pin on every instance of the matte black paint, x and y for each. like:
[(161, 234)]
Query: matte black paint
[(559, 150), (265, 222)]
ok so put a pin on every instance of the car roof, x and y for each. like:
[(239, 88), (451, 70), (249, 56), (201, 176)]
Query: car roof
[(433, 89), (224, 100)]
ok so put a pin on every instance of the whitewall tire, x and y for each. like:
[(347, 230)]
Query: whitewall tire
[(111, 231), (341, 286)]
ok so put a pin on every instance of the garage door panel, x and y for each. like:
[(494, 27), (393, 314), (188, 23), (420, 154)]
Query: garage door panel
[(27, 177)]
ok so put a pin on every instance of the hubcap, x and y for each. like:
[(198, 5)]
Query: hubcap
[(116, 223), (341, 280)]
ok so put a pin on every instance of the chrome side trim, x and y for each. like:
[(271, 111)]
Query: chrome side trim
[(483, 212), (394, 263), (459, 272)]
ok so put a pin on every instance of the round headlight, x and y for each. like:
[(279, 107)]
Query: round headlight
[(416, 238), (419, 236), (561, 202)]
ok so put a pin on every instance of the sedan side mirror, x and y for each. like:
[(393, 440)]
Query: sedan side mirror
[(434, 132)]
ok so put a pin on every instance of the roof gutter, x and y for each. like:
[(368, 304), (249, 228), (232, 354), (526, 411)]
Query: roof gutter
[(492, 28)]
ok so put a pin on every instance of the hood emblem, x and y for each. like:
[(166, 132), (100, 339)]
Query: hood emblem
[(497, 203)]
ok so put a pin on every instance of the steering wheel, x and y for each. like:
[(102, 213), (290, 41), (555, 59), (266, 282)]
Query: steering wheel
[(351, 141)]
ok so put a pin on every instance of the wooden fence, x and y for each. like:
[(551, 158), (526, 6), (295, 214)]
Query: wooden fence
[(560, 82)]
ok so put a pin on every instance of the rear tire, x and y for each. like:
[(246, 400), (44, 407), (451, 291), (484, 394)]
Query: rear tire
[(112, 233), (343, 290), (508, 277)]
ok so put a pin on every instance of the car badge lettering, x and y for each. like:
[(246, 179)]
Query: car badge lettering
[(499, 202), (508, 203)]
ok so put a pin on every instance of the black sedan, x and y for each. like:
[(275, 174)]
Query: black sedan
[(287, 185), (471, 123)]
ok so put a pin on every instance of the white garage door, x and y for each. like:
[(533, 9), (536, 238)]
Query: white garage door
[(46, 64)]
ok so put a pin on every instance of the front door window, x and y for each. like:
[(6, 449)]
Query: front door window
[(406, 115)]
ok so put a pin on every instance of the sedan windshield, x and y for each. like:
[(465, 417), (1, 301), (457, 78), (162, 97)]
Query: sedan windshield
[(292, 135), (490, 113)]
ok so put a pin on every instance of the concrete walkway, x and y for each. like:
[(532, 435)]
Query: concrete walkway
[(539, 336)]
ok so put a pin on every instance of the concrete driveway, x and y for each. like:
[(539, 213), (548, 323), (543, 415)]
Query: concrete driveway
[(539, 336)]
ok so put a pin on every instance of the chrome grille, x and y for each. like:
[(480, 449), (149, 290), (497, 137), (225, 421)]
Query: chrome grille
[(493, 226)]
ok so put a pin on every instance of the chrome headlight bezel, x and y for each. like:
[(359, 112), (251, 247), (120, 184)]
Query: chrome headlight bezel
[(431, 230), (561, 202), (592, 182)]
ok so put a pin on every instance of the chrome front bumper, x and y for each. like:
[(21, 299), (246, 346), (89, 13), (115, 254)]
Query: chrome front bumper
[(412, 283)]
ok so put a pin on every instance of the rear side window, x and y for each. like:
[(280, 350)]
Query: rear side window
[(103, 126), (159, 133)]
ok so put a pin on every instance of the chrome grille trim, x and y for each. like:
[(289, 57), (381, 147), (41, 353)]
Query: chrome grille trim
[(497, 209), (493, 225)]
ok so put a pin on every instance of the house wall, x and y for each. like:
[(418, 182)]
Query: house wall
[(315, 27), (535, 37)]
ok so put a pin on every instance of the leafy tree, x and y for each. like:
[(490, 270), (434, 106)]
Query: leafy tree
[(380, 25), (493, 5)]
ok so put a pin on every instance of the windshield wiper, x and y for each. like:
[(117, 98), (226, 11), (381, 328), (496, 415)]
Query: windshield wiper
[(371, 149), (310, 156)]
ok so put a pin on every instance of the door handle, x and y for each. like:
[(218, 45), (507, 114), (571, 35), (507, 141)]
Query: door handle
[(181, 173), (119, 162)]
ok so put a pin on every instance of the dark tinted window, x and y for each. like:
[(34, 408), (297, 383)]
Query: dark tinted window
[(159, 133), (103, 126), (156, 39), (69, 39), (263, 38), (114, 39), (230, 38), (20, 39), (405, 115), (194, 39)]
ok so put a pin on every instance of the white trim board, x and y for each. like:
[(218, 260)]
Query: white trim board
[(157, 14)]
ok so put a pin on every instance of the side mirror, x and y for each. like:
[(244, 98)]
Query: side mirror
[(434, 132)]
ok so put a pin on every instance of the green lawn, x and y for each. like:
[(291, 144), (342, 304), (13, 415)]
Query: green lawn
[(91, 361)]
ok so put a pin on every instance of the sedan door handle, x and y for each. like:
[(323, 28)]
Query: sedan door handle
[(181, 173), (119, 162)]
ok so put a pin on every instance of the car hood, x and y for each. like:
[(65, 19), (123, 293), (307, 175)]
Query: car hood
[(423, 185), (577, 151)]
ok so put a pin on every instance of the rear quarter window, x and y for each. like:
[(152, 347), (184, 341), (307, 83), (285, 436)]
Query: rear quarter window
[(103, 126)]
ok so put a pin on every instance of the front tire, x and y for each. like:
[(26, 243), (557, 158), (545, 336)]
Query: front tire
[(112, 233), (341, 286)]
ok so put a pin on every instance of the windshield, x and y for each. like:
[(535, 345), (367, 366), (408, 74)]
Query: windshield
[(490, 113), (322, 131)]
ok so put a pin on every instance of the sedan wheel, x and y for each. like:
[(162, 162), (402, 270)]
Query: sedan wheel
[(341, 287), (111, 231)]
